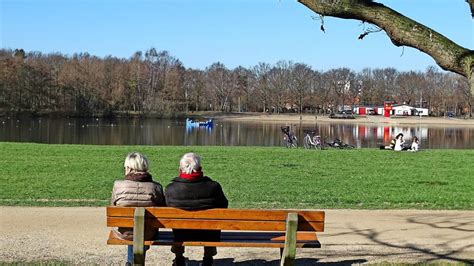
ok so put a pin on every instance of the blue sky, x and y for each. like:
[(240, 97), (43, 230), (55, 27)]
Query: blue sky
[(234, 32)]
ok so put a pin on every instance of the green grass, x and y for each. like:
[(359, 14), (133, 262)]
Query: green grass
[(252, 177)]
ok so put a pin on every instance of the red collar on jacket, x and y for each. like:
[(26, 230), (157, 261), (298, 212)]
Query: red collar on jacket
[(192, 176)]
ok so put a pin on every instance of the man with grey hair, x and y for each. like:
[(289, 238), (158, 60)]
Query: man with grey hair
[(192, 190)]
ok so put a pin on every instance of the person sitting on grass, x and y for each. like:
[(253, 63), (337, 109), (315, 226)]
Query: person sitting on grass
[(136, 190), (399, 141), (415, 144), (192, 190), (391, 146)]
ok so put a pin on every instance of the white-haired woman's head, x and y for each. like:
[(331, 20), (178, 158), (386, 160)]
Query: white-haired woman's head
[(189, 163), (135, 162)]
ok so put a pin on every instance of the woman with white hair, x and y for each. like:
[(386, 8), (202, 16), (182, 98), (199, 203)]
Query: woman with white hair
[(192, 190), (136, 190)]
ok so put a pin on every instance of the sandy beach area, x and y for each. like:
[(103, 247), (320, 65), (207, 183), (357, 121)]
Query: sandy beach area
[(370, 119)]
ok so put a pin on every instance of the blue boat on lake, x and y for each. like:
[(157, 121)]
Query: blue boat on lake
[(190, 123)]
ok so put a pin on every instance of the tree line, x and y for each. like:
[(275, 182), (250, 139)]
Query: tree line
[(156, 83)]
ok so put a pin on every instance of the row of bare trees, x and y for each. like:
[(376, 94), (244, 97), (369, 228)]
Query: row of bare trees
[(157, 83)]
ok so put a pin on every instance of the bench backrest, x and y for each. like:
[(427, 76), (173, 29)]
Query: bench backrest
[(223, 219)]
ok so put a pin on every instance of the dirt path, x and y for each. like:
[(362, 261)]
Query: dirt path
[(78, 235)]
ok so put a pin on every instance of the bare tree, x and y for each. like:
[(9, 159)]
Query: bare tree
[(218, 81), (261, 84), (367, 88), (157, 83), (241, 78), (433, 91), (463, 87), (301, 83), (385, 84), (327, 97), (341, 80), (279, 84), (409, 85)]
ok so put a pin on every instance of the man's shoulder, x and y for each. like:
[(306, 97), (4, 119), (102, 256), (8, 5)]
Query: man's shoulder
[(213, 183), (182, 181)]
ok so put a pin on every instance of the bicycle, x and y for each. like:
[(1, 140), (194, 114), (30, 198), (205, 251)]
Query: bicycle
[(338, 144), (289, 139), (312, 141)]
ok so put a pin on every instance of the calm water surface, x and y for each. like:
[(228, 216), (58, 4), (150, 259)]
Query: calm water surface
[(135, 131)]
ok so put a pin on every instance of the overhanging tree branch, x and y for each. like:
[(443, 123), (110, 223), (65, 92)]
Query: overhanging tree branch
[(471, 5), (402, 31)]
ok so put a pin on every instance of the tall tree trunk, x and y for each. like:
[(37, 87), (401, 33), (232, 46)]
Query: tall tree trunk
[(471, 81), (471, 85)]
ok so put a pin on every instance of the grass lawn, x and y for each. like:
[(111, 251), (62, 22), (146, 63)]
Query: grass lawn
[(252, 177)]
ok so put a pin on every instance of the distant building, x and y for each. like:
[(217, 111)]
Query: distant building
[(406, 110), (422, 111), (391, 110), (402, 110), (385, 110), (365, 110)]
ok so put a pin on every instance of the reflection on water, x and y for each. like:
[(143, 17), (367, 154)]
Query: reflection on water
[(135, 131)]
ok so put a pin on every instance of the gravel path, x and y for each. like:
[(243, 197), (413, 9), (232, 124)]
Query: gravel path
[(78, 235)]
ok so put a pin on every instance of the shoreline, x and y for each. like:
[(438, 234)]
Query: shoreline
[(312, 119), (249, 117)]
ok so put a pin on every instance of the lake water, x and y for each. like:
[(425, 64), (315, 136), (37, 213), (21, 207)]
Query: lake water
[(135, 131)]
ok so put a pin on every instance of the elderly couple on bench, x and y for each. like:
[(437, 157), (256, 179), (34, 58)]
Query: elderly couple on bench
[(191, 190)]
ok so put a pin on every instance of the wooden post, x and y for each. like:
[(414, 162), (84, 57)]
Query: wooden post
[(139, 236), (289, 252)]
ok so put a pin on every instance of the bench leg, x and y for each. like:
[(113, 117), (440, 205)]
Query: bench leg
[(130, 253), (139, 236), (289, 252)]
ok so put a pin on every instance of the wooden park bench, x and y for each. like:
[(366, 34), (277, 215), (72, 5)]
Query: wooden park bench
[(284, 229)]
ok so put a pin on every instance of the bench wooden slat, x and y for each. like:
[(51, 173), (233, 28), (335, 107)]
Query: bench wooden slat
[(216, 224), (217, 214), (231, 239)]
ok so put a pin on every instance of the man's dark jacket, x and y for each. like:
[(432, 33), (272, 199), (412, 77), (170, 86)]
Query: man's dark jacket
[(196, 194)]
